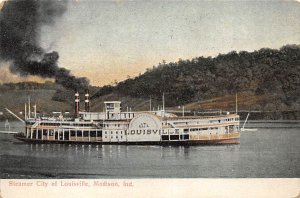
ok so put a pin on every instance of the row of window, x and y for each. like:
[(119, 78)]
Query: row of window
[(174, 137), (63, 136), (106, 132), (111, 125), (72, 133), (204, 129), (66, 124), (128, 115), (224, 120), (231, 119), (121, 137), (201, 129)]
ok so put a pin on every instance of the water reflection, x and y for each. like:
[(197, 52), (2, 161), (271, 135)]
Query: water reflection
[(174, 152), (106, 152)]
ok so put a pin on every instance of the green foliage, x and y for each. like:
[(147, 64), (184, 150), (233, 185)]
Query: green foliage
[(266, 71), (103, 91)]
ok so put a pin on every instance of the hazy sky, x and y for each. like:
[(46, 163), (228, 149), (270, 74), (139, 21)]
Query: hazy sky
[(109, 40)]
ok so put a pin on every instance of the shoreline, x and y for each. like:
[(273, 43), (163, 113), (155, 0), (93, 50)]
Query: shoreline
[(12, 119)]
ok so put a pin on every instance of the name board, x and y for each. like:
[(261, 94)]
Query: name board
[(149, 132)]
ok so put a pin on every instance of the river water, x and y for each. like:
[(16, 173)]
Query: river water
[(272, 151)]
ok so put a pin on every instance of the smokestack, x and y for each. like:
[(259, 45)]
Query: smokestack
[(76, 104), (87, 100)]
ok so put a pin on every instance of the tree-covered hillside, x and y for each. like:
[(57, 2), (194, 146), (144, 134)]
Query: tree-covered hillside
[(267, 82), (268, 72)]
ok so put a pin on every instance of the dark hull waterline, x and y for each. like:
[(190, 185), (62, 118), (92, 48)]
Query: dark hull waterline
[(178, 143)]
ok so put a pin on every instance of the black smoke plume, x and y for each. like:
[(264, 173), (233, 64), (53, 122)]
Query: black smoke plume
[(20, 27)]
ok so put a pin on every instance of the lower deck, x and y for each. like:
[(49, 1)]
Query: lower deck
[(79, 137), (60, 134), (231, 140)]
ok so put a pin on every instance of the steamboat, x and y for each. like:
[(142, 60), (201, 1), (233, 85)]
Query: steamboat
[(113, 126)]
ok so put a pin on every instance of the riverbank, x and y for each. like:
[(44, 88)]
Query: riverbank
[(271, 124)]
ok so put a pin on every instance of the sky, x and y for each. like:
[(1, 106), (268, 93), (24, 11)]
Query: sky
[(109, 41)]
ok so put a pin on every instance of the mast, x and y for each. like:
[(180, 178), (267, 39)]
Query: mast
[(29, 108), (163, 97), (25, 112), (150, 104), (34, 107), (163, 107), (236, 105)]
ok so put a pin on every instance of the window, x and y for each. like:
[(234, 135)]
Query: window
[(165, 137), (93, 133), (174, 137), (99, 133), (85, 134)]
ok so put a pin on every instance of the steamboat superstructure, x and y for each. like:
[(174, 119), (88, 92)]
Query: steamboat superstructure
[(113, 126)]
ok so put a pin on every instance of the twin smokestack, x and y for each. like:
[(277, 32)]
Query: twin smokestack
[(86, 102)]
